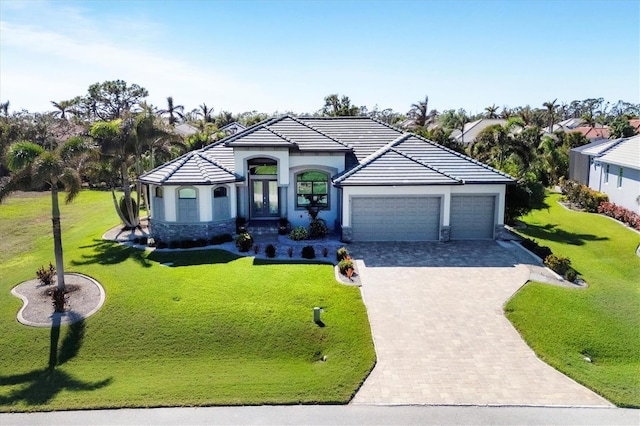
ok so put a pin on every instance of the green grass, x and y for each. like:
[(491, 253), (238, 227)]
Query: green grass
[(602, 322), (212, 330)]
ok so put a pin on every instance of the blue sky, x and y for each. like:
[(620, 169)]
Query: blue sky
[(287, 56)]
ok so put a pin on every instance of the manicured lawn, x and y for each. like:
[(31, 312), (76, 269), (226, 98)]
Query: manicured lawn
[(214, 329), (602, 322)]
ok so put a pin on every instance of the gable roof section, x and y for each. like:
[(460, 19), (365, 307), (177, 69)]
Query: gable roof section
[(195, 168), (626, 153), (412, 160), (288, 132), (364, 134)]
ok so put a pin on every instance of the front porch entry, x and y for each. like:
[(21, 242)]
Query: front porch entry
[(264, 199)]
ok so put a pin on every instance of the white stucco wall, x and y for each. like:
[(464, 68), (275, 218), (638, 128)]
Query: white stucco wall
[(205, 201), (443, 191), (281, 155), (625, 195)]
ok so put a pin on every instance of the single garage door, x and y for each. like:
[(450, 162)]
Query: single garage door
[(472, 217), (395, 218)]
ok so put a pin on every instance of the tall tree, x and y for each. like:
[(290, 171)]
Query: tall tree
[(335, 106), (205, 113), (172, 111), (63, 108), (420, 113), (491, 111), (110, 100), (551, 113), (33, 166), (4, 108)]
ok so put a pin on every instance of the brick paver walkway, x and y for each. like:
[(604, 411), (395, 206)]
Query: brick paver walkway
[(440, 333)]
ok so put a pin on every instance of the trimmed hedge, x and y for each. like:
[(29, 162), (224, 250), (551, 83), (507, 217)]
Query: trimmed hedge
[(582, 196), (620, 213)]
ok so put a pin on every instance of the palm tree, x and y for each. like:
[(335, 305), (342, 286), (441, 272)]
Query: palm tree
[(421, 114), (33, 166), (4, 108), (492, 111), (205, 113), (551, 111), (172, 111), (63, 108)]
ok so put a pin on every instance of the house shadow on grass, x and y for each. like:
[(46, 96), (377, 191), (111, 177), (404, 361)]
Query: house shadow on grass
[(40, 386), (111, 253), (551, 232), (176, 258)]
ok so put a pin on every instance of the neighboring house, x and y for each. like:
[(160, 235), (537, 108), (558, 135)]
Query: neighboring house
[(592, 133), (581, 159), (372, 182), (232, 128), (185, 129), (472, 129), (615, 170)]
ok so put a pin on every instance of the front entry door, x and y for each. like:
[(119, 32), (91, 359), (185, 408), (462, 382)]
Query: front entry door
[(264, 198)]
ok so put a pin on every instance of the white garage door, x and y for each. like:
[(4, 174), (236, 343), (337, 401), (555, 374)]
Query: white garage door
[(472, 217), (395, 218)]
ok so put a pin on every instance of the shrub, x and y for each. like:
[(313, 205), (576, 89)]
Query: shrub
[(558, 264), (620, 213), (59, 299), (298, 234), (341, 254), (308, 252), (283, 226), (161, 244), (270, 251), (318, 228), (290, 251), (344, 265), (325, 252), (244, 242), (582, 196), (241, 225), (541, 251), (570, 275), (45, 275)]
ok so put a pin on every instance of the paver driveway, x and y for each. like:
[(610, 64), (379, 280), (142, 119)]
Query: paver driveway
[(440, 333)]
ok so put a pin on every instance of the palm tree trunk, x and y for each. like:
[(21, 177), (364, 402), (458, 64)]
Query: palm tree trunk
[(57, 237)]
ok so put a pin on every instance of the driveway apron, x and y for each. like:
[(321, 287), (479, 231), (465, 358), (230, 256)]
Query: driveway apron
[(440, 333)]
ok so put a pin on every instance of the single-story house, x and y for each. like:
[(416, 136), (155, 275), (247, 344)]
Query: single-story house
[(615, 170), (371, 181), (581, 159)]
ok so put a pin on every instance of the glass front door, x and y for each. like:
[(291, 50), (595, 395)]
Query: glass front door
[(264, 198)]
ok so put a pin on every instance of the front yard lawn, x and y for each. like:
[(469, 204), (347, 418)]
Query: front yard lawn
[(602, 322), (214, 329)]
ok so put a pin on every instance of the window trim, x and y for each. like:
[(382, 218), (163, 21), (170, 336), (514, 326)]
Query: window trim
[(328, 181)]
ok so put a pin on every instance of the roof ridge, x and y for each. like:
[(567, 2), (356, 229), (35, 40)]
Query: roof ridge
[(422, 163), (251, 129), (215, 163), (184, 158), (466, 157)]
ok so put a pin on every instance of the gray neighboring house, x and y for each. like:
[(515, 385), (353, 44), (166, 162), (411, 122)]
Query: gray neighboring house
[(615, 170), (372, 182), (581, 159)]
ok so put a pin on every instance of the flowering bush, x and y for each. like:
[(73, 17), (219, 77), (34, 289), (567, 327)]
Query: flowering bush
[(620, 213)]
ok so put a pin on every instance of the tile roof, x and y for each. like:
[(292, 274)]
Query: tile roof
[(412, 160), (625, 153), (195, 168), (376, 154)]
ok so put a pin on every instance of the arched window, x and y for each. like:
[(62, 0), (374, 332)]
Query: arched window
[(312, 188), (221, 203), (188, 205)]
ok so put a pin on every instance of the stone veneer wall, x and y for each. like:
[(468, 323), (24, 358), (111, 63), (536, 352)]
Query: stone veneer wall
[(445, 233), (168, 231), (347, 234)]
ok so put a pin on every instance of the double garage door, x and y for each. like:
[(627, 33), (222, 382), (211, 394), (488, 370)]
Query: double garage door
[(395, 218), (415, 218)]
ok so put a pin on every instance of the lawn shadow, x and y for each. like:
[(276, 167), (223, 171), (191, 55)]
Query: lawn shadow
[(551, 232), (111, 253), (40, 386), (177, 258)]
